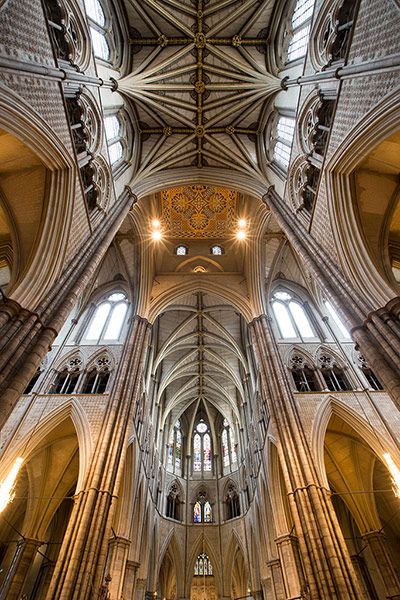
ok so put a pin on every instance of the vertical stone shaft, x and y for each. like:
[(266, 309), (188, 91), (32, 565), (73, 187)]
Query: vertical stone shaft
[(82, 557), (376, 333), (118, 555), (327, 565), (26, 336), (19, 569), (377, 544)]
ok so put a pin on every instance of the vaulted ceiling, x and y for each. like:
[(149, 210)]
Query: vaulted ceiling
[(200, 357), (199, 82)]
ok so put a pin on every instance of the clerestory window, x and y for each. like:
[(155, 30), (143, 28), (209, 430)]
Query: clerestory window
[(202, 459), (281, 140), (291, 317), (98, 29), (108, 319), (300, 29)]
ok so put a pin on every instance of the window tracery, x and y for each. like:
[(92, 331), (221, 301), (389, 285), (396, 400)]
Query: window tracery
[(333, 373), (174, 454), (97, 377), (202, 511), (202, 457), (67, 379), (232, 502), (203, 566), (368, 373), (291, 317), (108, 319), (229, 456), (173, 502), (303, 375)]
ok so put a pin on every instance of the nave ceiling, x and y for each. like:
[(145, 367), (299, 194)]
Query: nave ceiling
[(199, 83)]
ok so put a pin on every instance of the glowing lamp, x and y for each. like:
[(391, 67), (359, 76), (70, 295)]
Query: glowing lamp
[(156, 235), (241, 235)]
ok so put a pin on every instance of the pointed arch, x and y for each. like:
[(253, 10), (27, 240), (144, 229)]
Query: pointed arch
[(33, 437), (333, 406)]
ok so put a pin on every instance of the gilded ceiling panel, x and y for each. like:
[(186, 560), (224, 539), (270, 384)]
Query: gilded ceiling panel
[(198, 211)]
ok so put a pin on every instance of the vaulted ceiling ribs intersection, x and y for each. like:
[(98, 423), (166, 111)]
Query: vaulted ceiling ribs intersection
[(199, 81)]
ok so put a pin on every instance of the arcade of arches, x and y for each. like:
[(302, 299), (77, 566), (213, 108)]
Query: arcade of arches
[(199, 307)]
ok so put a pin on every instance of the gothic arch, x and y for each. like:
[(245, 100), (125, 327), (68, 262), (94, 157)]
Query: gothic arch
[(32, 438), (25, 124), (333, 406), (199, 546), (357, 263), (228, 295)]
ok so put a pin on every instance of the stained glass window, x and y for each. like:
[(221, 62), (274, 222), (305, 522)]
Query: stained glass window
[(206, 452), (197, 453), (174, 454), (197, 512), (225, 448), (233, 447), (202, 457), (203, 565), (207, 512)]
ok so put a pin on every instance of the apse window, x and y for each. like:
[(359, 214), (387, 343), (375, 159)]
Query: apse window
[(216, 250), (108, 319), (181, 250), (202, 511), (291, 317), (282, 139), (202, 461), (300, 29), (203, 566)]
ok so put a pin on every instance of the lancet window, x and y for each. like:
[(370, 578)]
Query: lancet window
[(202, 448), (203, 566), (108, 319), (174, 453), (291, 317), (300, 29), (202, 511), (229, 455)]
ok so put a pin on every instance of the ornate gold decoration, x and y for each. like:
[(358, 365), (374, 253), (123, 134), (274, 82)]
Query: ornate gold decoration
[(198, 211)]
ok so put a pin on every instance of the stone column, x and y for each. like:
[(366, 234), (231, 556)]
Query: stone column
[(19, 569), (80, 567), (291, 568), (376, 333), (277, 579), (359, 567), (131, 570), (26, 335), (117, 556), (376, 542), (327, 565)]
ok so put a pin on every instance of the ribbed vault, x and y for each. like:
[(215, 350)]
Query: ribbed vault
[(199, 358), (199, 82)]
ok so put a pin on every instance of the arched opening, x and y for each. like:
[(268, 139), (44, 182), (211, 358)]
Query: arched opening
[(33, 525), (366, 508), (378, 193)]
